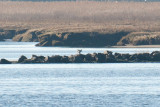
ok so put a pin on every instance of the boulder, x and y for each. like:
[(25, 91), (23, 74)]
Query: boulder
[(118, 56), (108, 52), (47, 59), (22, 58), (4, 61), (110, 58), (155, 56), (133, 57), (125, 56), (65, 59), (57, 58), (37, 59), (100, 58), (88, 58), (143, 56), (94, 55), (28, 61), (34, 57), (77, 58), (53, 59)]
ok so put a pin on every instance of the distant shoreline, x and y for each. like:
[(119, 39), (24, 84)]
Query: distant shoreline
[(137, 46)]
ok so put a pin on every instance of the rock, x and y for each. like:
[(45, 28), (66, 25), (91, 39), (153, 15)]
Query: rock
[(118, 56), (34, 57), (28, 61), (22, 58), (155, 56), (53, 59), (94, 55), (139, 57), (41, 57), (125, 56), (109, 56), (38, 59), (76, 58), (71, 58), (4, 61), (65, 59), (133, 57), (47, 59), (108, 52), (155, 53), (88, 58), (121, 57), (143, 57), (110, 59), (57, 58), (100, 58)]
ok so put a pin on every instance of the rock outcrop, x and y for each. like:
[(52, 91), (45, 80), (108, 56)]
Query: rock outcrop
[(22, 59), (4, 61)]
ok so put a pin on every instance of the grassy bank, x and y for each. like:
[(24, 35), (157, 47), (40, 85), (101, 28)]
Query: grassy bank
[(37, 20)]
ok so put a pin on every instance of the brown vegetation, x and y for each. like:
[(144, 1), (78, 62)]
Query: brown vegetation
[(35, 19), (141, 38), (81, 15), (28, 36)]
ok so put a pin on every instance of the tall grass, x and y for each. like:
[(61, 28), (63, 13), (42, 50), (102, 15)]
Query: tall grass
[(134, 15)]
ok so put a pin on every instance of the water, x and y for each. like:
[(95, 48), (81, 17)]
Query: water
[(77, 85), (13, 50)]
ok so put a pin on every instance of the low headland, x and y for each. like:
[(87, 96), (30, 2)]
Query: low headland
[(106, 57), (83, 38)]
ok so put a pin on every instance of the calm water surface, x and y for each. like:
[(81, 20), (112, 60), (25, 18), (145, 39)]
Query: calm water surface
[(77, 85)]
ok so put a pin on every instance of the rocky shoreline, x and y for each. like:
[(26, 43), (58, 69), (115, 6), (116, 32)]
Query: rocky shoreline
[(106, 57)]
